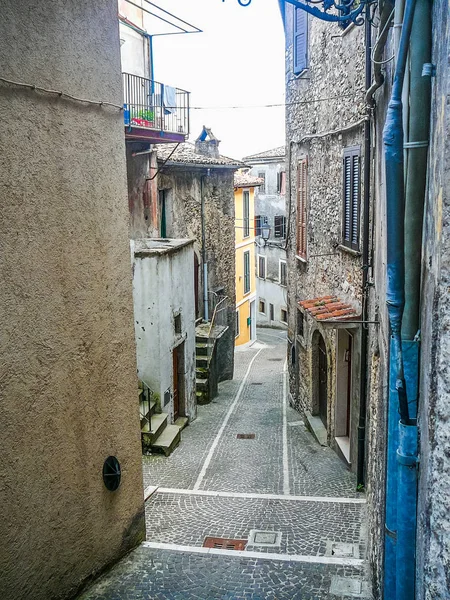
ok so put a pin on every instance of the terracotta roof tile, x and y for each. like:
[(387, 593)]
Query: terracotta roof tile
[(329, 308)]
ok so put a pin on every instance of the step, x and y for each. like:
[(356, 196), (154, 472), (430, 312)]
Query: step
[(182, 422), (168, 440), (201, 339), (201, 373), (158, 423), (316, 427), (202, 398), (201, 384), (201, 361), (201, 349)]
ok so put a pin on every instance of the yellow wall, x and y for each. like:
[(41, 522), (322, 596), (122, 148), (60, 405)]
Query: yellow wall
[(244, 245)]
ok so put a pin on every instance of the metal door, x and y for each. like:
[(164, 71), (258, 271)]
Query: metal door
[(323, 387)]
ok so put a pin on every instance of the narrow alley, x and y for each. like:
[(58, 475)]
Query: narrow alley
[(248, 472)]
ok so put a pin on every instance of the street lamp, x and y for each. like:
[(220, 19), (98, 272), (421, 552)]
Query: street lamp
[(265, 233)]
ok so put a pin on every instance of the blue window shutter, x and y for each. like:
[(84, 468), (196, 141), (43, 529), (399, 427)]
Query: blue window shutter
[(300, 40)]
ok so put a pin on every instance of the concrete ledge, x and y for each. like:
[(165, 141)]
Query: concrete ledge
[(317, 428)]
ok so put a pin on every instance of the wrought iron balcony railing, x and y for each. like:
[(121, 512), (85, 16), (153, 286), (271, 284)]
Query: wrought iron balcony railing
[(154, 106)]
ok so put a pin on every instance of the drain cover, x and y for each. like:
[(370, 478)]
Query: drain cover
[(275, 359), (245, 436), (259, 537), (224, 543), (256, 383)]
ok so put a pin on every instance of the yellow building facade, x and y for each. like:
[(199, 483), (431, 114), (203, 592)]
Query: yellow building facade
[(244, 200)]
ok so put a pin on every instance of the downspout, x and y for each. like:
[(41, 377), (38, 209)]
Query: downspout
[(405, 225), (205, 264), (365, 266)]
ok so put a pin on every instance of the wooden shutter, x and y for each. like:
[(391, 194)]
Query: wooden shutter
[(302, 174), (300, 40), (351, 198)]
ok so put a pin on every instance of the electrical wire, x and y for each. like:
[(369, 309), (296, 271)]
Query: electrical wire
[(60, 94), (300, 102), (374, 49)]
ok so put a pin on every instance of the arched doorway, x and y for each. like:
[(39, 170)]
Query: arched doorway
[(322, 380)]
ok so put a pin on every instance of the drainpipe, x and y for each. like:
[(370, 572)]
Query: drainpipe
[(205, 264), (365, 259), (404, 221)]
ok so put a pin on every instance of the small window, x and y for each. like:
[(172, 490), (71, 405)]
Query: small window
[(280, 227), (237, 323), (246, 211), (300, 323), (300, 40), (283, 273), (177, 323), (258, 225), (262, 187), (283, 317), (351, 198), (281, 182), (261, 266), (271, 307), (262, 307), (246, 272)]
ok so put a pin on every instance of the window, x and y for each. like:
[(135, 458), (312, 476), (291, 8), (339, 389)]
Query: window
[(351, 198), (261, 266), (300, 40), (262, 307), (280, 226), (177, 322), (283, 273), (237, 323), (300, 323), (246, 210), (162, 211), (302, 174), (281, 182), (259, 222), (272, 318), (283, 317), (262, 187), (246, 272)]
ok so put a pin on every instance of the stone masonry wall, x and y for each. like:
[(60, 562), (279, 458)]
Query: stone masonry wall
[(327, 96), (184, 209), (68, 385)]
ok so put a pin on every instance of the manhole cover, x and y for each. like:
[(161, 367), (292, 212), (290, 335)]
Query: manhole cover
[(341, 549), (259, 537), (245, 436), (345, 586), (224, 543)]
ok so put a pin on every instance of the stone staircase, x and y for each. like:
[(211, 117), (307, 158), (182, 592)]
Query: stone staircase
[(157, 434), (202, 364)]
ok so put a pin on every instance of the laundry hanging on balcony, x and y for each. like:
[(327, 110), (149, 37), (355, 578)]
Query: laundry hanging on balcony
[(169, 99)]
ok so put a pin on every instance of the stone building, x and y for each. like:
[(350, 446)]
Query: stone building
[(68, 385), (270, 220), (325, 138), (196, 200), (325, 160)]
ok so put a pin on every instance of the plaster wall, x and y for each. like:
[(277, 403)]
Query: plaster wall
[(68, 386), (433, 540), (163, 288)]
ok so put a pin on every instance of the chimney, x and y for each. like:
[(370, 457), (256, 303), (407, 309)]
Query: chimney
[(207, 143)]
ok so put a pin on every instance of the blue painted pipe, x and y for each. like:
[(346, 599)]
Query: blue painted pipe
[(400, 490)]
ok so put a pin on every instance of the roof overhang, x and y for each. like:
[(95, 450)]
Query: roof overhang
[(331, 311)]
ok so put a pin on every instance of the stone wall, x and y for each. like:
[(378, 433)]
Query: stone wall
[(68, 385), (184, 220), (433, 541), (323, 100)]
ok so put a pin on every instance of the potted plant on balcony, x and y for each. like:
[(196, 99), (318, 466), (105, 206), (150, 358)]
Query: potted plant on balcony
[(143, 118)]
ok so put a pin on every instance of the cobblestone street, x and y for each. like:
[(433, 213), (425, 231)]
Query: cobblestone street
[(291, 500)]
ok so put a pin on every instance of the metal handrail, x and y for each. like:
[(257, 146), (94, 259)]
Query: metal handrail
[(215, 313)]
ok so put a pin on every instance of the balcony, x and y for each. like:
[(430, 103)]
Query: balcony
[(153, 112)]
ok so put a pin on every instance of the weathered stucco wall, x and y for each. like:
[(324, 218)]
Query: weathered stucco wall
[(163, 288), (68, 387), (433, 542), (184, 221)]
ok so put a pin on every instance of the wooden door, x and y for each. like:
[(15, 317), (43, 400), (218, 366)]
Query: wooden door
[(323, 383), (349, 384), (176, 387)]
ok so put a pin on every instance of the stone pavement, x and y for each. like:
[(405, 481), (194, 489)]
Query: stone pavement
[(278, 481)]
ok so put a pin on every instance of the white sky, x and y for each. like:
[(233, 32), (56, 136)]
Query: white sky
[(238, 60)]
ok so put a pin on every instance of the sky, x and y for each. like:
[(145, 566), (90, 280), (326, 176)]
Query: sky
[(238, 60)]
